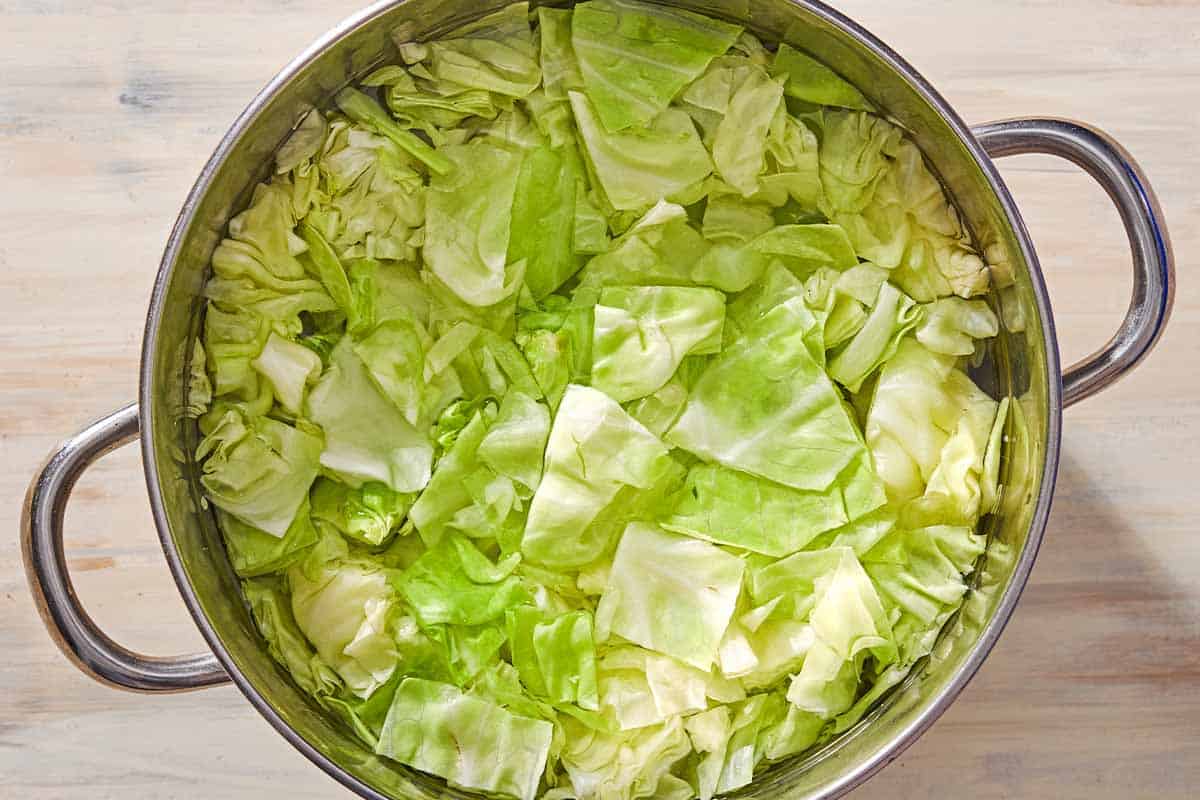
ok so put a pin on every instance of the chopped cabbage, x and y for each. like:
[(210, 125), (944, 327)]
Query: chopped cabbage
[(587, 405)]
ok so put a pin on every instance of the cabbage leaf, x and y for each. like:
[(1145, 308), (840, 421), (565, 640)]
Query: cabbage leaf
[(366, 436), (670, 593), (468, 741), (764, 406), (635, 57), (638, 167), (259, 470), (595, 448), (643, 333)]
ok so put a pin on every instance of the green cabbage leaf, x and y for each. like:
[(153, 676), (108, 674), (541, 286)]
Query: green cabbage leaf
[(472, 743), (595, 448), (643, 333), (670, 593), (635, 57), (766, 407)]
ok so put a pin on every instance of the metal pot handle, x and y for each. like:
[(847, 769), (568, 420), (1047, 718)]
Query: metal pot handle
[(1153, 264), (46, 568)]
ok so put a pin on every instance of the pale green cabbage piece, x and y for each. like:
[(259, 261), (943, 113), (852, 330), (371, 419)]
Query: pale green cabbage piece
[(795, 733), (662, 249), (739, 152), (516, 441), (376, 196), (410, 369), (470, 742), (255, 552), (550, 354), (594, 449), (625, 766), (794, 173), (892, 316), (290, 367), (343, 606), (467, 650), (813, 82), (468, 223), (484, 478), (282, 302), (303, 145), (491, 365), (658, 411), (369, 514), (766, 407), (422, 101), (920, 578), (709, 732), (233, 341), (501, 683), (364, 110), (453, 583), (777, 286), (638, 167), (848, 621), (544, 218), (742, 750), (779, 647), (729, 218), (365, 716), (854, 159), (640, 687), (670, 593), (951, 325), (643, 333), (928, 418), (591, 234), (495, 54), (330, 270), (271, 606), (878, 187), (807, 247), (777, 630), (259, 470), (735, 508), (955, 491), (262, 244), (257, 268), (560, 69), (635, 57), (990, 486), (921, 570), (845, 299), (739, 143), (366, 437), (555, 655)]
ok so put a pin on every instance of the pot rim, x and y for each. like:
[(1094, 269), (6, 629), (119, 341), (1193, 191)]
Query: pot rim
[(1021, 571)]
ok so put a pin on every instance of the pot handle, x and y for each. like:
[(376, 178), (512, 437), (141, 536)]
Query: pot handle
[(1153, 263), (69, 625)]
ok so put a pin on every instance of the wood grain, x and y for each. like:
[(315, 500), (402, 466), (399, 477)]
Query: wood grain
[(108, 110)]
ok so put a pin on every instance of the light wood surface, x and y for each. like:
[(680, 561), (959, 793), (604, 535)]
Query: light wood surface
[(107, 112)]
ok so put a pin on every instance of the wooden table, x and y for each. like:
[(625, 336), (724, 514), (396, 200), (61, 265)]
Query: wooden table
[(107, 112)]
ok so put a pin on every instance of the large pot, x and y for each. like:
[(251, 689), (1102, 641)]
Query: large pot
[(1024, 363)]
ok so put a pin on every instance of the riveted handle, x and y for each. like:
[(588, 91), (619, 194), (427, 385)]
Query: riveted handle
[(1153, 263), (80, 639)]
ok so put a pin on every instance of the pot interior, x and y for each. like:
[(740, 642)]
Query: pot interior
[(1022, 363)]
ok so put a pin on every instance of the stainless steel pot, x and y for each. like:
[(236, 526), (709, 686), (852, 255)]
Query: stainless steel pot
[(1025, 361)]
